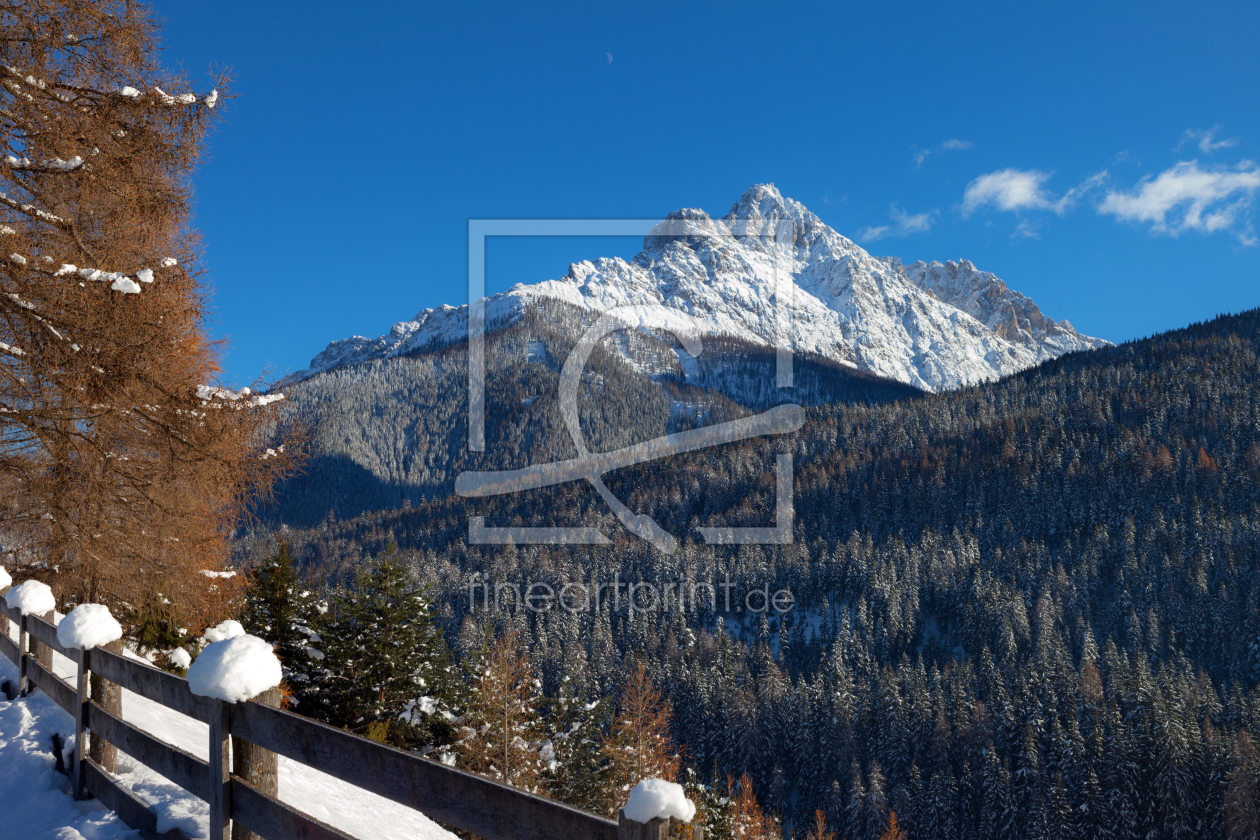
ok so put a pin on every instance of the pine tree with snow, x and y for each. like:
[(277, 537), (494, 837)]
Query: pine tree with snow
[(855, 807), (712, 807), (875, 810), (574, 771), (385, 661), (1242, 792), (279, 609), (938, 819)]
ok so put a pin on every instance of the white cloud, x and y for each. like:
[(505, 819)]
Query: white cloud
[(1190, 197), (948, 146), (1011, 189), (1028, 229), (1017, 190), (1206, 140), (870, 234), (903, 224)]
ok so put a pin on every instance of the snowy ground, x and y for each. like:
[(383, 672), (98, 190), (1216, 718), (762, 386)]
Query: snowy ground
[(35, 800)]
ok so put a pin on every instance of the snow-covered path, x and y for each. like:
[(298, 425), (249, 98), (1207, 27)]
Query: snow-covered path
[(35, 801)]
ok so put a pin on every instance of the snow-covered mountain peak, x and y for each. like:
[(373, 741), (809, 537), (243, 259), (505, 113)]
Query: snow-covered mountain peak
[(764, 201), (932, 325)]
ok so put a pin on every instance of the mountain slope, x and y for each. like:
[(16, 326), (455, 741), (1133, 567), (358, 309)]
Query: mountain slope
[(390, 431), (1036, 597), (934, 326)]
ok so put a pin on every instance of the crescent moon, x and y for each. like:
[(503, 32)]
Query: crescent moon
[(609, 57)]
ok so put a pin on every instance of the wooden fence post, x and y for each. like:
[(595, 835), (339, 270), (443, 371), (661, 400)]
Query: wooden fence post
[(80, 726), (109, 697), (661, 828), (628, 829), (23, 682), (255, 765), (41, 652), (220, 791)]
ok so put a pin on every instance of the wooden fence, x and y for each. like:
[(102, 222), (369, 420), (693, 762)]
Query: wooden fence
[(457, 798)]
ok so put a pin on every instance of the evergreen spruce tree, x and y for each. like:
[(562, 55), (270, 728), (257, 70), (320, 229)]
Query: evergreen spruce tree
[(385, 667), (835, 803), (574, 770), (1242, 793), (279, 609), (875, 816), (855, 808), (712, 807), (1063, 822)]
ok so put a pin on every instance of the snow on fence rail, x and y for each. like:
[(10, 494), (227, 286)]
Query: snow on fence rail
[(464, 800)]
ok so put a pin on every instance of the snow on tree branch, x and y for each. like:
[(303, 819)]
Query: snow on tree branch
[(56, 164), (208, 393), (29, 210)]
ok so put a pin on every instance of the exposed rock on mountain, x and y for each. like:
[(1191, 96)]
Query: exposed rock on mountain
[(932, 325)]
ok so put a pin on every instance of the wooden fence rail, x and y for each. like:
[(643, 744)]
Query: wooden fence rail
[(464, 800)]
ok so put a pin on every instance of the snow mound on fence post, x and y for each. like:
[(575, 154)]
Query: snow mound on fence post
[(5, 580), (31, 597), (653, 798), (235, 669), (88, 626), (227, 630)]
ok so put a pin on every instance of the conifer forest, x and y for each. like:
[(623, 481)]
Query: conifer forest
[(1026, 609)]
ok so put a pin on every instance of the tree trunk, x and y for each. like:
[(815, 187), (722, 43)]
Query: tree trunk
[(8, 688), (109, 697), (255, 765), (4, 618)]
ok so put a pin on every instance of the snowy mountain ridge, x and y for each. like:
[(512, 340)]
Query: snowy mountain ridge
[(933, 325)]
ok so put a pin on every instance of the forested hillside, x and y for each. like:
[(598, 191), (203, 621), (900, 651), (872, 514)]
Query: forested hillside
[(395, 430), (1026, 609)]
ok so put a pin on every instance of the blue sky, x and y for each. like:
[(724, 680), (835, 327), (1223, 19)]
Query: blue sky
[(1099, 160)]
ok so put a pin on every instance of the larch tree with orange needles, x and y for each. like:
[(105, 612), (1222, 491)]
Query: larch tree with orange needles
[(122, 470), (500, 739), (818, 831), (893, 830), (640, 745), (746, 819)]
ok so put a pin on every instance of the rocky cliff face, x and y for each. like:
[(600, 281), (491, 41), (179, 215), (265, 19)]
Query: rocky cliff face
[(931, 325)]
